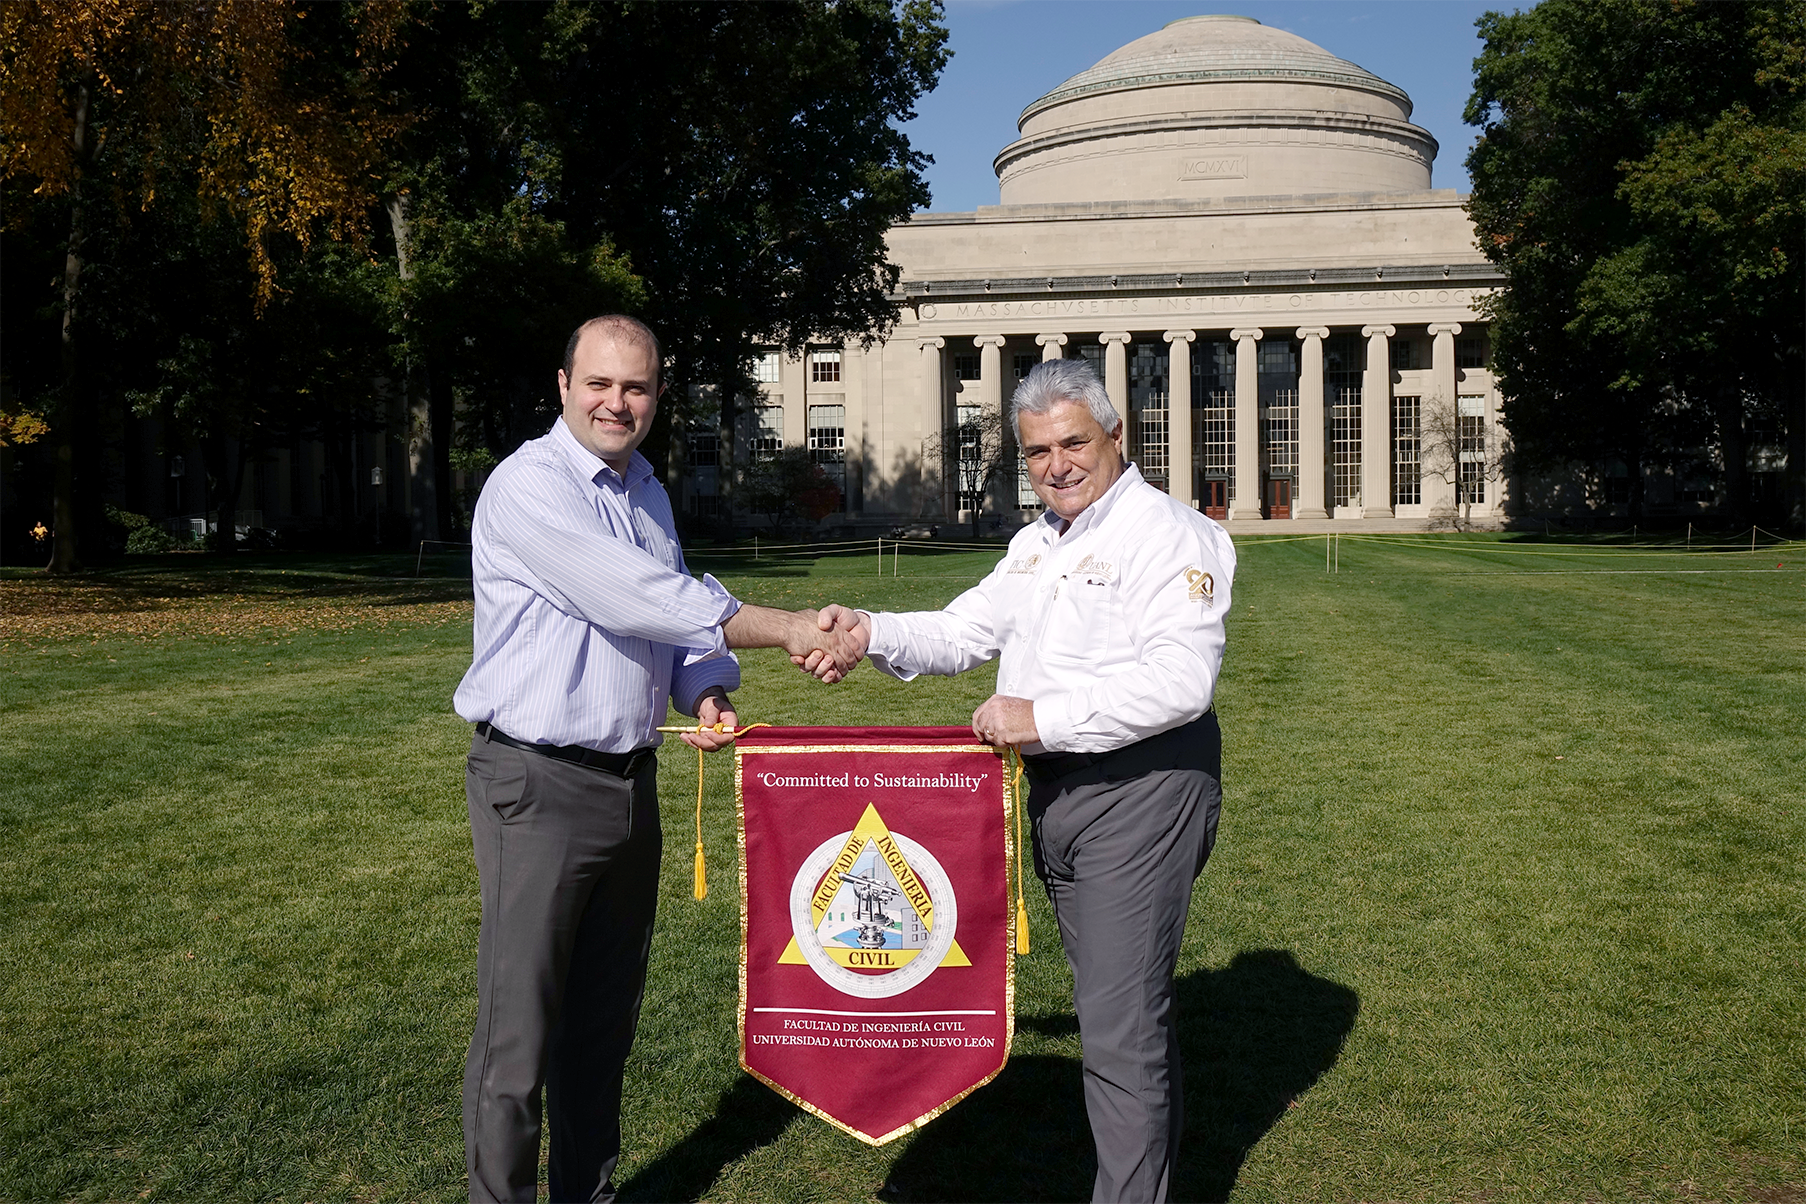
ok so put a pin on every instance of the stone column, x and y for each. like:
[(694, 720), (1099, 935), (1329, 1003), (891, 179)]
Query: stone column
[(934, 407), (1181, 476), (1051, 345), (990, 383), (1116, 376), (1438, 494), (1376, 423), (1247, 424), (1312, 466)]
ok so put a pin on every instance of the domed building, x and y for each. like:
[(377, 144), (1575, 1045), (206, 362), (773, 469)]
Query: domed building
[(1238, 228)]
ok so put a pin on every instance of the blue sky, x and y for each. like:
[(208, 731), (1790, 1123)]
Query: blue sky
[(1007, 53)]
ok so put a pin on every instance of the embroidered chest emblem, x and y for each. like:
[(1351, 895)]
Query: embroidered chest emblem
[(1025, 565), (1091, 566)]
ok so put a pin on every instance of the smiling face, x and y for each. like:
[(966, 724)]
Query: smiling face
[(610, 395), (1072, 461)]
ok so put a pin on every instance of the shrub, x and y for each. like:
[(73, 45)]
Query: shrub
[(148, 540)]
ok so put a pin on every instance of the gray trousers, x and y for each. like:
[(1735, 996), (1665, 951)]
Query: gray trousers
[(1117, 844), (568, 860)]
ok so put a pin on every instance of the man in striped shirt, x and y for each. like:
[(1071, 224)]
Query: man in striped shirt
[(588, 625)]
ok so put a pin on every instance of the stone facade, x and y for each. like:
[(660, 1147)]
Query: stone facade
[(1238, 228)]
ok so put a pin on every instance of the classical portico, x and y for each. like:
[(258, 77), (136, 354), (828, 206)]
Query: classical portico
[(1238, 229)]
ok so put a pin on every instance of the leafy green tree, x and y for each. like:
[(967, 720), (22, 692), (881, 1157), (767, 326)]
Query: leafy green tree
[(790, 488), (1641, 179), (266, 111), (733, 186)]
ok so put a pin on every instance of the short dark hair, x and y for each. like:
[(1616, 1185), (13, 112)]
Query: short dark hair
[(622, 327)]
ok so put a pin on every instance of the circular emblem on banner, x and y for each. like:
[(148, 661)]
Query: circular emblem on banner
[(873, 912)]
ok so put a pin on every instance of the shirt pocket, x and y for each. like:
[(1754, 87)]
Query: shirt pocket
[(1081, 620)]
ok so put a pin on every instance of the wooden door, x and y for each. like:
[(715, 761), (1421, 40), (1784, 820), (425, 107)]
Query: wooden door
[(1216, 498), (1279, 497)]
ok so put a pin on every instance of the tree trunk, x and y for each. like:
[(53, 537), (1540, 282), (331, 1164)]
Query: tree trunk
[(63, 549), (427, 445), (226, 458), (441, 420), (1733, 444), (724, 448), (1794, 414)]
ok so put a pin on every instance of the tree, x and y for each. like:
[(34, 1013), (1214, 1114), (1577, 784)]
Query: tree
[(978, 452), (243, 104), (1462, 450), (1639, 178), (791, 488)]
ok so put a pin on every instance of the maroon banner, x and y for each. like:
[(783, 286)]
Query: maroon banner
[(877, 984)]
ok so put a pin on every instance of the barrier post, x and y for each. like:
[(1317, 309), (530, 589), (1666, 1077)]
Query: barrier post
[(1326, 539), (881, 555), (417, 557)]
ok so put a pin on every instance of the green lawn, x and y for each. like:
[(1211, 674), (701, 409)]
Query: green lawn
[(1509, 901)]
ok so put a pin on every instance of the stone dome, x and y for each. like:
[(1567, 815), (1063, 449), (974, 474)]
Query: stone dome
[(1215, 106)]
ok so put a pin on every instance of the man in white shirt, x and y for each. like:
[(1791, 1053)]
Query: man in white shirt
[(587, 626), (1108, 618)]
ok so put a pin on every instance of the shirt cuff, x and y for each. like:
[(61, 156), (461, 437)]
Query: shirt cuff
[(728, 607), (690, 681), (1053, 722), (880, 650)]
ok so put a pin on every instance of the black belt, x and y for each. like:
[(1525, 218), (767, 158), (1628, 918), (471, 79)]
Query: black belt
[(1048, 767), (624, 765)]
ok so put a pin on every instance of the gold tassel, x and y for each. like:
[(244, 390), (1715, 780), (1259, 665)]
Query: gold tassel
[(702, 880), (1021, 903)]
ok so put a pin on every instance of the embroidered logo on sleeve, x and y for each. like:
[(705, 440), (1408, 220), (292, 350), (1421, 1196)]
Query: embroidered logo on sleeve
[(1200, 587)]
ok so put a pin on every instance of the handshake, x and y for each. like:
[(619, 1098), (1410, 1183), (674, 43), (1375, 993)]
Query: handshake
[(827, 643)]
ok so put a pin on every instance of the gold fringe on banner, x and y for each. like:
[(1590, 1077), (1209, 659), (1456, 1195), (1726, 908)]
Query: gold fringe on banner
[(1015, 780)]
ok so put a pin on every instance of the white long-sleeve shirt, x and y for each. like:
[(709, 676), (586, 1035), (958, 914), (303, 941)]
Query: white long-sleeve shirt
[(587, 621), (1113, 628)]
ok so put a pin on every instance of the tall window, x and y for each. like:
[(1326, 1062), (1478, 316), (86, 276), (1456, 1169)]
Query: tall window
[(1024, 364), (1277, 383), (969, 475), (1213, 413), (1470, 428), (705, 447), (828, 440), (965, 365), (1343, 359), (1404, 355), (704, 459), (1407, 472), (768, 432), (1146, 421), (1150, 450), (824, 367), (766, 368), (1470, 352)]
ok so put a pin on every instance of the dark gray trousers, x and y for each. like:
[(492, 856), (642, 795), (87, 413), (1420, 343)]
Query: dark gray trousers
[(1117, 844), (568, 860)]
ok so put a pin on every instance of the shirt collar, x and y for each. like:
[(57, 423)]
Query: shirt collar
[(589, 465), (1097, 511)]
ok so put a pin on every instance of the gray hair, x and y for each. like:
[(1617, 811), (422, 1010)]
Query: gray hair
[(1062, 382)]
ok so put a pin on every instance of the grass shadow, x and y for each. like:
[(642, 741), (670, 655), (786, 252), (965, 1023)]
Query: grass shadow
[(748, 1116), (1255, 1035)]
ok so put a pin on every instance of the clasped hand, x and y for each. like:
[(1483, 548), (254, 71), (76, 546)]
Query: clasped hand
[(829, 642)]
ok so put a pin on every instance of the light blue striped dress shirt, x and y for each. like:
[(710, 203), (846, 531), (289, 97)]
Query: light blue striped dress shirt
[(587, 620)]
